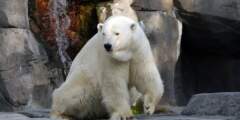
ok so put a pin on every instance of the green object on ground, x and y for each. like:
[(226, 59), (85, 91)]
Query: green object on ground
[(138, 108)]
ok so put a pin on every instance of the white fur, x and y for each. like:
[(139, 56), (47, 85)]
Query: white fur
[(98, 80)]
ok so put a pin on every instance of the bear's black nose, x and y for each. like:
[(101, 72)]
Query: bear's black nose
[(108, 47)]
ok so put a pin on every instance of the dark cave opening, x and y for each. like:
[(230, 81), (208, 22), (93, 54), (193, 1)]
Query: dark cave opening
[(209, 61)]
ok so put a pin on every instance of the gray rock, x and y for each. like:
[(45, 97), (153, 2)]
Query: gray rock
[(227, 104), (4, 104), (27, 79), (153, 5), (222, 8), (16, 116), (12, 116), (36, 113), (40, 119), (41, 115), (14, 13), (164, 33), (15, 64), (118, 7), (163, 117)]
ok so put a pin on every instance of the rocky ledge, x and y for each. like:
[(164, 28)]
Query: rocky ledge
[(210, 106), (17, 116)]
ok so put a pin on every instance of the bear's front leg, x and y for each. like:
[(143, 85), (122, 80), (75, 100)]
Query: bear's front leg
[(149, 104), (149, 83), (116, 99)]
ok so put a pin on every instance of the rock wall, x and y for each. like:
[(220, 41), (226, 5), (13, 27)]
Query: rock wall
[(27, 74), (164, 32)]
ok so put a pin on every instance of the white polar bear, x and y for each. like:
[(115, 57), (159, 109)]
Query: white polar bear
[(117, 58)]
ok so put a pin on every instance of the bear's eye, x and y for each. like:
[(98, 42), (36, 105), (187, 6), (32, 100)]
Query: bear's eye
[(116, 33)]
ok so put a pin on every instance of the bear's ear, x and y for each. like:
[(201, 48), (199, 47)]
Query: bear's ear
[(133, 26), (100, 26)]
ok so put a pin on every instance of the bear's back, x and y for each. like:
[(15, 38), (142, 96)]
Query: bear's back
[(88, 60)]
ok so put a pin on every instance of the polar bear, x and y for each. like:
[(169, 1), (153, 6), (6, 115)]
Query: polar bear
[(117, 58)]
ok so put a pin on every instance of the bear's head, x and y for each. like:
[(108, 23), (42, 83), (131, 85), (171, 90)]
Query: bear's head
[(117, 33)]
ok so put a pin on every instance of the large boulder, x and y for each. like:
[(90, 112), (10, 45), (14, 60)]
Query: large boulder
[(15, 63), (226, 104), (164, 33), (210, 54), (14, 13), (24, 71)]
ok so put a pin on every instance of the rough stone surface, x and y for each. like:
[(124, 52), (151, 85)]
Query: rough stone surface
[(15, 63), (177, 117), (4, 104), (16, 116), (36, 113), (227, 104), (12, 116), (14, 13), (153, 5), (24, 69), (40, 119), (221, 8), (164, 33), (117, 7), (29, 70)]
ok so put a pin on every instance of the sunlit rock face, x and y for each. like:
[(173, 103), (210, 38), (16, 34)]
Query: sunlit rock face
[(14, 13), (210, 52)]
